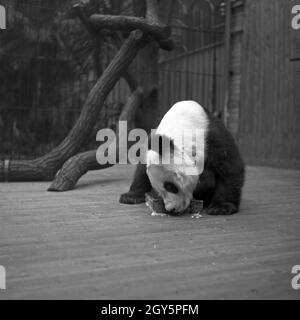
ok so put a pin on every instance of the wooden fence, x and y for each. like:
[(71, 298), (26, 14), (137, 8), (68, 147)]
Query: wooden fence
[(197, 75), (269, 130)]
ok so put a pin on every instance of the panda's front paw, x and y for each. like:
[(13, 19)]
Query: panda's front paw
[(221, 209), (132, 198)]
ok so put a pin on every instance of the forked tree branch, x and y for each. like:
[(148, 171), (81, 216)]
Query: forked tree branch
[(80, 164)]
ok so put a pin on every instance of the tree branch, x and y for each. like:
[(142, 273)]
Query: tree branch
[(126, 23), (81, 163)]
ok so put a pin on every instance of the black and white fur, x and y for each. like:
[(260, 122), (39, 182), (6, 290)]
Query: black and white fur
[(219, 185)]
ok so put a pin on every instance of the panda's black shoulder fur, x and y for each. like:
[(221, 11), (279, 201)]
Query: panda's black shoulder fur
[(222, 154)]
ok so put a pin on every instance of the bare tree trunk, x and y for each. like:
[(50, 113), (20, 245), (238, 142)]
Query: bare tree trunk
[(147, 70)]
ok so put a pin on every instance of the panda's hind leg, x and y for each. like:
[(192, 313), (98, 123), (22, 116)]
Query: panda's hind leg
[(140, 185)]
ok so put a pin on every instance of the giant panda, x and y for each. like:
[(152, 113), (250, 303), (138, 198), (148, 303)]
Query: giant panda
[(219, 170)]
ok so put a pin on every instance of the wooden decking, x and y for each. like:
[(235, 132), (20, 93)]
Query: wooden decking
[(84, 244)]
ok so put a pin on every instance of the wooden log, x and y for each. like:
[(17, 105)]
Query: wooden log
[(126, 23), (80, 164), (73, 169), (45, 168), (150, 26)]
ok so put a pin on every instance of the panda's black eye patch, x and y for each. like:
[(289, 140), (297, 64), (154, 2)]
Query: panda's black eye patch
[(170, 187)]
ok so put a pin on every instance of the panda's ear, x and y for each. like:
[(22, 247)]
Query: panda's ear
[(160, 144)]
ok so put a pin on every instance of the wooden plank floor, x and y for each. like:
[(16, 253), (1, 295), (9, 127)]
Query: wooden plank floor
[(84, 244)]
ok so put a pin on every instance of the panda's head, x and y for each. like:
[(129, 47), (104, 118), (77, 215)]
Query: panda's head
[(175, 188), (174, 182)]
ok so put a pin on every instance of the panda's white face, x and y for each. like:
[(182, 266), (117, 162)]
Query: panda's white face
[(175, 188)]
